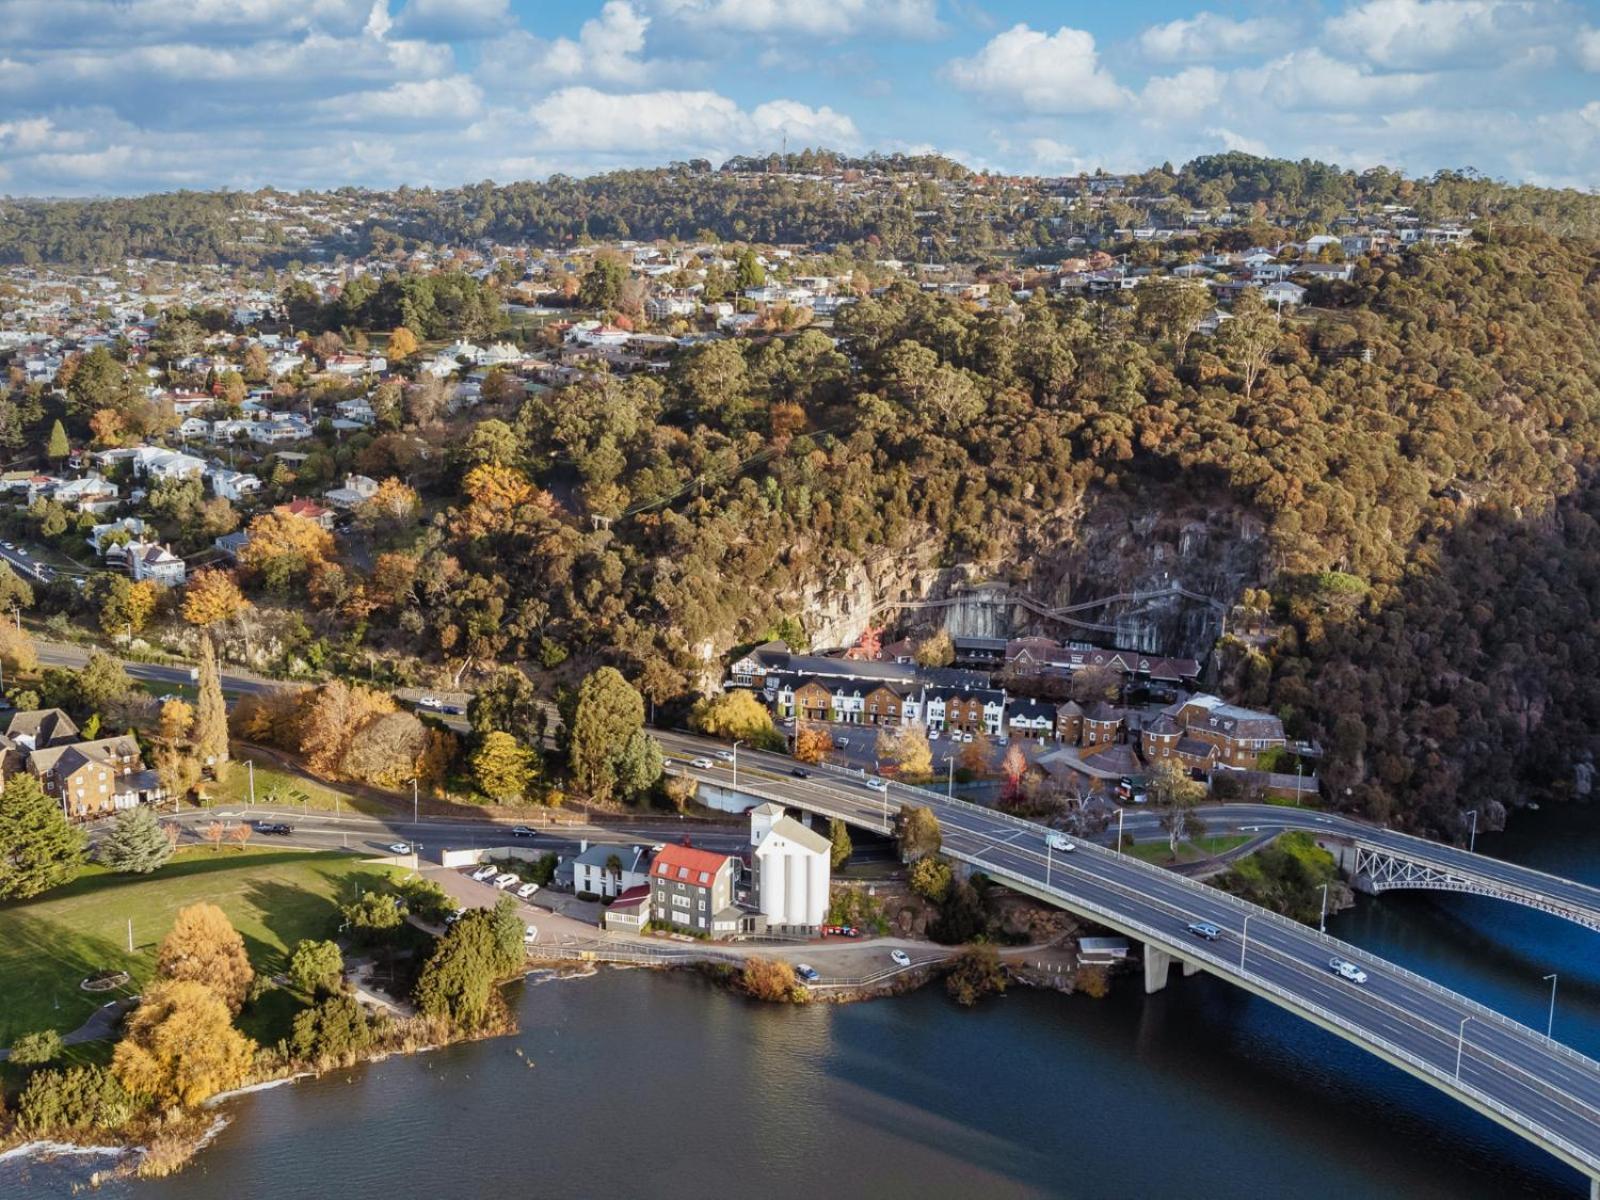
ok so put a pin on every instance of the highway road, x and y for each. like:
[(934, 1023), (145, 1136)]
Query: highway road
[(1543, 1090)]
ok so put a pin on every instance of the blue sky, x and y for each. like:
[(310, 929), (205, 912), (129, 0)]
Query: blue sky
[(122, 96)]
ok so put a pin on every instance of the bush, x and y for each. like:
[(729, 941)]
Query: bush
[(930, 879), (78, 1098), (316, 966), (961, 916), (427, 899), (337, 1027), (35, 1049), (769, 979), (978, 972)]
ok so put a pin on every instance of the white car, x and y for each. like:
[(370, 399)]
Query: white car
[(399, 847), (1058, 842), (933, 735), (702, 764), (844, 741), (430, 702), (725, 755), (485, 873), (878, 785), (508, 880), (900, 958), (530, 934), (527, 890), (1347, 970)]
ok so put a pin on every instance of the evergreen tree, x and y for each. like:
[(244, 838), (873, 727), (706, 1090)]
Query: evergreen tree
[(609, 712), (58, 448), (503, 768), (839, 835), (211, 715), (457, 982), (136, 844), (38, 849)]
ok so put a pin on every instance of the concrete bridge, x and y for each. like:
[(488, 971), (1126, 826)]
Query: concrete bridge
[(1546, 1092)]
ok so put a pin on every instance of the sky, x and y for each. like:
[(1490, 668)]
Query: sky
[(129, 96)]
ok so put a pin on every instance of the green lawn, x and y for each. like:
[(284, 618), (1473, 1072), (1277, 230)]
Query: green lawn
[(273, 897), (278, 788), (1206, 847)]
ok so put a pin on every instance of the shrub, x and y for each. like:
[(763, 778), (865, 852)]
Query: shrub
[(336, 1027), (77, 1098), (316, 966), (35, 1049), (978, 972), (930, 879), (769, 979)]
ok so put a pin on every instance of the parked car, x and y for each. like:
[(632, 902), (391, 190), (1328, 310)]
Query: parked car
[(933, 735), (1347, 970), (900, 958), (806, 973), (1204, 929), (274, 829), (1059, 843), (399, 847), (523, 831), (527, 890), (485, 873), (700, 764), (843, 741), (876, 784), (841, 931), (507, 880), (453, 917), (530, 934)]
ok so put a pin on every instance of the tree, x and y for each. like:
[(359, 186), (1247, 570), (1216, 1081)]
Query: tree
[(14, 592), (812, 742), (908, 748), (637, 766), (211, 597), (840, 845), (402, 345), (1173, 308), (284, 548), (374, 916), (329, 718), (204, 946), (935, 651), (975, 755), (336, 1027), (124, 605), (316, 966), (749, 273), (176, 720), (1247, 341), (211, 711), (978, 972), (770, 979), (736, 715), (392, 506), (608, 713), (181, 1047), (36, 1049), (38, 849), (602, 282), (387, 751), (78, 1098), (58, 447), (502, 767), (508, 702), (930, 878), (1175, 796), (457, 982), (1014, 766), (918, 833), (18, 655), (492, 443), (136, 844), (505, 922)]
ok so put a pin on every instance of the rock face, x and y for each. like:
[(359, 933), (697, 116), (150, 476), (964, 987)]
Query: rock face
[(1112, 544)]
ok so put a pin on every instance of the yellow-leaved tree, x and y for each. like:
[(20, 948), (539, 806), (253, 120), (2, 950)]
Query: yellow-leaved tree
[(212, 596), (205, 947), (181, 1047)]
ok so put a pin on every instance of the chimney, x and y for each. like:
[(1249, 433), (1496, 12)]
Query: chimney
[(583, 845)]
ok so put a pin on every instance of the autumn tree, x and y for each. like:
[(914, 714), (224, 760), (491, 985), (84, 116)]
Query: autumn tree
[(977, 754), (203, 946), (1014, 766), (736, 715), (18, 654), (907, 747), (498, 500), (402, 345), (502, 767), (1173, 309), (393, 505), (180, 1047), (211, 597), (935, 651), (917, 830), (283, 548), (38, 849), (329, 718), (1247, 341), (211, 711), (1175, 797), (812, 742)]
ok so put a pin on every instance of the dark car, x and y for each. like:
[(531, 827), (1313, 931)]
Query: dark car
[(799, 774), (453, 710), (274, 830), (523, 831)]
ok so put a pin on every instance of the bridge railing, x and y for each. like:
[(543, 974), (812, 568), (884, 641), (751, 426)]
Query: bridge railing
[(1461, 861)]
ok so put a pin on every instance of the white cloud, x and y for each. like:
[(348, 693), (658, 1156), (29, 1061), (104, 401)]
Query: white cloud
[(453, 99), (1183, 96), (1588, 44), (1229, 140), (78, 23), (1419, 33), (1047, 73), (453, 20), (1209, 37), (808, 18), (1312, 80), (607, 50), (578, 118)]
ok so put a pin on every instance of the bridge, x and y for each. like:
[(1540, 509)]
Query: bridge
[(1544, 1091), (1004, 596)]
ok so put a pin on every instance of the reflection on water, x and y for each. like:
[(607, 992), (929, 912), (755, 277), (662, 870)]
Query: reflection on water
[(631, 1083)]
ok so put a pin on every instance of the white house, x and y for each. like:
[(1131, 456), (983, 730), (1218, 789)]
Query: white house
[(232, 485), (159, 464), (151, 560), (1283, 292), (358, 410), (792, 870), (357, 490), (589, 873), (132, 526)]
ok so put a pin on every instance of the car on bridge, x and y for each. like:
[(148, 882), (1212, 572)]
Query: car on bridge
[(1059, 843), (1347, 970), (274, 828), (878, 785), (725, 755), (1204, 929), (700, 764)]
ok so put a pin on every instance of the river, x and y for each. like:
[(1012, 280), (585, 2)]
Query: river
[(631, 1083)]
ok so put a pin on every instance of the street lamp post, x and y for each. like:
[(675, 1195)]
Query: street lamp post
[(1322, 921), (1461, 1044), (1047, 863), (950, 778), (251, 764), (1244, 939), (1119, 830), (1472, 845), (414, 818), (1550, 1022), (736, 746)]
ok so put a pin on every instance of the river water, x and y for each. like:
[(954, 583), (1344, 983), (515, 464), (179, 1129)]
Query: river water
[(632, 1083)]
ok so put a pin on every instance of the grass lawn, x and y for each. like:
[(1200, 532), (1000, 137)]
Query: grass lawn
[(273, 897), (1206, 847), (277, 788)]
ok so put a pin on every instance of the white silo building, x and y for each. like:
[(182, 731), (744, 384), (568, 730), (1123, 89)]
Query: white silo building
[(792, 869)]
